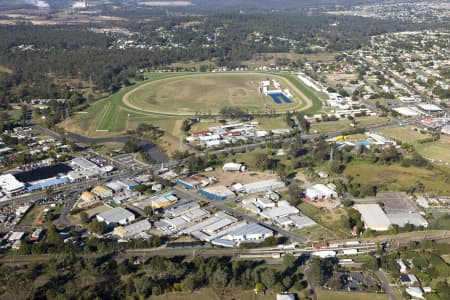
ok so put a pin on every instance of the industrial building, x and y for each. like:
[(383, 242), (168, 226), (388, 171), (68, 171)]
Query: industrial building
[(115, 216), (249, 232), (297, 220), (182, 208), (115, 186), (373, 217), (132, 230), (10, 185), (193, 182), (217, 192), (263, 186), (102, 192), (403, 218), (282, 210), (163, 201), (129, 184), (319, 191)]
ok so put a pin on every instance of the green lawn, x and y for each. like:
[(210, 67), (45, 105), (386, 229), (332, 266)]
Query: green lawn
[(334, 295), (403, 134), (32, 216), (437, 151), (322, 127)]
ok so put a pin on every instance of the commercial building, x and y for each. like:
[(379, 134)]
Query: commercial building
[(263, 186), (319, 191), (132, 229), (51, 182), (10, 185), (373, 217), (217, 192), (115, 216)]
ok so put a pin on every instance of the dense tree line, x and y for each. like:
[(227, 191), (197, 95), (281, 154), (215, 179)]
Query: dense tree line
[(74, 277), (37, 55)]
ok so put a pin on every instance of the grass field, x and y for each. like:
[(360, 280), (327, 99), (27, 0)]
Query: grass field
[(334, 295), (32, 216), (403, 134), (397, 178), (322, 127)]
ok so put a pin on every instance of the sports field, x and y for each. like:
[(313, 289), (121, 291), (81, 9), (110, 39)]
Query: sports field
[(165, 99), (208, 93)]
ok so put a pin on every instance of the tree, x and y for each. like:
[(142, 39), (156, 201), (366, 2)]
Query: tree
[(336, 282), (186, 125), (132, 145), (269, 277), (219, 278), (84, 218), (259, 287)]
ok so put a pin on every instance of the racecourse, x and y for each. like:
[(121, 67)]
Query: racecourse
[(165, 99), (208, 93)]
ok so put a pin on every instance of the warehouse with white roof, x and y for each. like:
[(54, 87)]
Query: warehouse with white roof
[(319, 191), (132, 229), (373, 217), (263, 186), (249, 232), (118, 215)]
